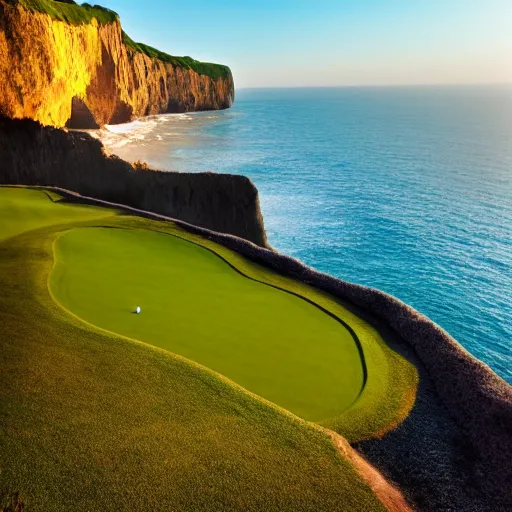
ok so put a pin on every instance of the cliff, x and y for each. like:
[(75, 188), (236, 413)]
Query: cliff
[(31, 154), (67, 65)]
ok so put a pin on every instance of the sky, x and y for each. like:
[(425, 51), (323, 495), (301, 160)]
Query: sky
[(293, 43)]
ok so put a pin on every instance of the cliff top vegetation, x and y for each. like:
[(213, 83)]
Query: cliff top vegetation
[(70, 12), (214, 71)]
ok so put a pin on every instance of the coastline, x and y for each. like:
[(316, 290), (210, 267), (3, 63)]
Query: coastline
[(352, 184), (165, 348)]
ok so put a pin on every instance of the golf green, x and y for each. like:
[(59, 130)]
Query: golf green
[(278, 337), (94, 421), (194, 304)]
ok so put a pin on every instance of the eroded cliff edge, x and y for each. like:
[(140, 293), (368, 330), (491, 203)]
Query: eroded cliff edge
[(31, 154), (67, 65)]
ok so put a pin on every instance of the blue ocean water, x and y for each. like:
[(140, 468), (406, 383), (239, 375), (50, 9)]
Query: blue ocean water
[(405, 189)]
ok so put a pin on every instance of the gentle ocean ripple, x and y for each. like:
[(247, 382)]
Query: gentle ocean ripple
[(406, 189)]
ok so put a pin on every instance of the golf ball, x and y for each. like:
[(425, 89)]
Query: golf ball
[(137, 310)]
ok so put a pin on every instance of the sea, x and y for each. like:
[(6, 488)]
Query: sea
[(404, 189)]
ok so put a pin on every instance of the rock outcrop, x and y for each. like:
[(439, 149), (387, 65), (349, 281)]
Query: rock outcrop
[(31, 154), (82, 71)]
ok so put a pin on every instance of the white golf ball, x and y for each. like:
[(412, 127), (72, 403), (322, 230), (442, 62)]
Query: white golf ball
[(137, 310)]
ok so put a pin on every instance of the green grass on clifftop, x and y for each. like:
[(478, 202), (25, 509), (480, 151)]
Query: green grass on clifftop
[(214, 71), (211, 305), (70, 12), (94, 421)]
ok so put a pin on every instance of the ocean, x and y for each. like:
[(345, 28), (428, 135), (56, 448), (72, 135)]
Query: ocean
[(405, 189)]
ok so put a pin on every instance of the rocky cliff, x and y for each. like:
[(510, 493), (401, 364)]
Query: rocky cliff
[(67, 65), (31, 154)]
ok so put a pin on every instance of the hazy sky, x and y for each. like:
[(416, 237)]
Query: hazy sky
[(271, 43)]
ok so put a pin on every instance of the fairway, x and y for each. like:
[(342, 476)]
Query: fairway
[(194, 304), (24, 209), (139, 427), (93, 421), (277, 337)]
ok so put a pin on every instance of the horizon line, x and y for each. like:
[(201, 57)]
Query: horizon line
[(427, 84)]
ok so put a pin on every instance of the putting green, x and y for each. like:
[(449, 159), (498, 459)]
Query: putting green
[(274, 335), (273, 343)]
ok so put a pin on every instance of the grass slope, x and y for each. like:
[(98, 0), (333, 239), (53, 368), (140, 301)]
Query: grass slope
[(24, 210), (194, 304), (391, 381), (93, 421)]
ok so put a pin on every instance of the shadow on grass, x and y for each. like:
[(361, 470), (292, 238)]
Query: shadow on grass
[(11, 502)]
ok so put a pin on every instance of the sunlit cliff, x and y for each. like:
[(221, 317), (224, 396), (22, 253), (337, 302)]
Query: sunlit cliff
[(83, 72)]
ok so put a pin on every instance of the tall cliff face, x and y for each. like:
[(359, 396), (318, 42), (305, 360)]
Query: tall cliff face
[(86, 74), (31, 154)]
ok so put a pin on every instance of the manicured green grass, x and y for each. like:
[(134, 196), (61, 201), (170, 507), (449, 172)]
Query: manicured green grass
[(194, 304), (24, 209), (391, 381), (93, 421)]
